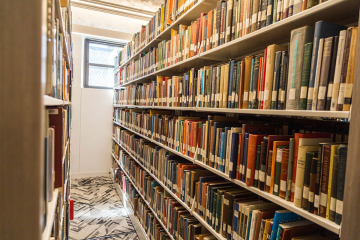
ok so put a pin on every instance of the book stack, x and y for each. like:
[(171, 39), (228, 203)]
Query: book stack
[(231, 211), (177, 220), (263, 156), (297, 76), (169, 12), (58, 73)]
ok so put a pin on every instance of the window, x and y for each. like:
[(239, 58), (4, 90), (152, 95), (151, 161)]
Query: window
[(99, 63)]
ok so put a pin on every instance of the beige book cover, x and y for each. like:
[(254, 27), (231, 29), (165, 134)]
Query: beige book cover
[(246, 84)]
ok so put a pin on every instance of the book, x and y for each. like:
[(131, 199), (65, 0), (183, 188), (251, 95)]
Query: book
[(254, 141), (283, 216), (322, 30), (342, 150), (305, 75), (299, 37), (312, 184)]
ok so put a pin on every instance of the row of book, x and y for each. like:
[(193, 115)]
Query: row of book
[(163, 18), (263, 156), (56, 161), (229, 20), (318, 78), (230, 210), (174, 217), (58, 75)]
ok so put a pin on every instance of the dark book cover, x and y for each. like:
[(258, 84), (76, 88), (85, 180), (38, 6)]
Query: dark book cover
[(305, 75), (255, 79), (234, 84), (334, 181), (340, 183), (257, 164), (332, 73), (306, 189), (322, 30), (263, 164), (324, 73), (264, 7), (230, 80), (276, 80), (324, 179), (223, 23), (312, 185), (269, 12)]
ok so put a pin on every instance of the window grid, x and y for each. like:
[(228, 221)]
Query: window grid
[(99, 63)]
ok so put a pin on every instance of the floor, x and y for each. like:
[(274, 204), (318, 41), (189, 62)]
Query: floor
[(98, 211)]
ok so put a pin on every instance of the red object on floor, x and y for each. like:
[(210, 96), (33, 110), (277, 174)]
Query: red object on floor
[(71, 209)]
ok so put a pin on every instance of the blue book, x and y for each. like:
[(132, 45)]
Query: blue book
[(243, 179), (249, 226), (233, 154), (231, 73), (205, 33), (222, 150), (251, 82), (322, 30), (235, 221), (283, 216), (203, 180)]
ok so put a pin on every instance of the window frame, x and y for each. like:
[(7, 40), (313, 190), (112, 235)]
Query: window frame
[(87, 64)]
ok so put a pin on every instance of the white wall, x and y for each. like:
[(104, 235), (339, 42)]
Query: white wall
[(91, 122)]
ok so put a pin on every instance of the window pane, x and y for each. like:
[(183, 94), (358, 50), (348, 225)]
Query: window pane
[(102, 54), (101, 77)]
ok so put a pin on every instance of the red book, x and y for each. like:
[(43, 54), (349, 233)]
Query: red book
[(252, 128), (296, 149), (56, 120), (254, 140)]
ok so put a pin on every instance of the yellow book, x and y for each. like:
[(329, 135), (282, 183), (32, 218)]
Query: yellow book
[(162, 18), (266, 228), (332, 153)]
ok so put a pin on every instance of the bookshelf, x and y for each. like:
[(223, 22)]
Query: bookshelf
[(275, 199), (334, 11), (344, 12), (27, 212)]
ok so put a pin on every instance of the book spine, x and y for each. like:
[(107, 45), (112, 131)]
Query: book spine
[(332, 73), (263, 165), (324, 180), (324, 77), (340, 183), (257, 165), (344, 68), (268, 173), (255, 79), (332, 209), (317, 75), (350, 71), (305, 74), (276, 79), (284, 172), (269, 12), (312, 185), (337, 74)]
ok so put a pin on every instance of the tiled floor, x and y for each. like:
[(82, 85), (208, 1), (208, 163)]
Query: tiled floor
[(98, 211)]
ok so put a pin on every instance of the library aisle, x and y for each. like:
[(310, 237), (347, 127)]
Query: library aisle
[(98, 211)]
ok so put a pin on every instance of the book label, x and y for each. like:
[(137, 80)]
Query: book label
[(248, 173), (276, 188), (306, 192), (246, 96), (262, 176), (303, 92), (256, 176), (282, 97), (321, 94), (268, 180), (266, 95), (282, 185), (332, 204), (339, 206), (292, 94), (323, 199)]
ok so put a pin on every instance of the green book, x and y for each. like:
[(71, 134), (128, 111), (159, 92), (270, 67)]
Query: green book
[(257, 165), (309, 158), (251, 82), (276, 80), (305, 75), (278, 169), (219, 203)]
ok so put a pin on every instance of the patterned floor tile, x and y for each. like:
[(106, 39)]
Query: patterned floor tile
[(98, 211), (125, 236), (90, 181)]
